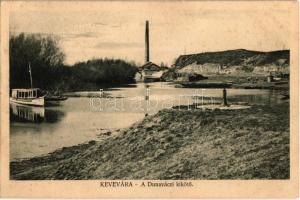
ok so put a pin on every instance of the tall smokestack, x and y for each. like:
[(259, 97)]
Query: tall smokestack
[(147, 54)]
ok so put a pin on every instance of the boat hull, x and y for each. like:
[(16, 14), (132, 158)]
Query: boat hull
[(31, 102), (52, 103), (54, 100), (205, 85)]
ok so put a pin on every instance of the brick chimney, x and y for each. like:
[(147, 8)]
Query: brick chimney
[(147, 53)]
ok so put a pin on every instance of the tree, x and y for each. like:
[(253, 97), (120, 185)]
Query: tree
[(49, 72), (44, 55)]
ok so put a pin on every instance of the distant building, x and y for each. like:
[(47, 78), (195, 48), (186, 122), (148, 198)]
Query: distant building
[(194, 72), (189, 76), (150, 66), (149, 72)]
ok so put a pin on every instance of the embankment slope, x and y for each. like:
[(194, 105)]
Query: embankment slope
[(178, 144), (239, 62)]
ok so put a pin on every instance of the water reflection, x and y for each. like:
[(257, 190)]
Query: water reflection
[(31, 114), (270, 98)]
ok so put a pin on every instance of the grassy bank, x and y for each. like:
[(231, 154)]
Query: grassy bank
[(178, 144), (241, 82)]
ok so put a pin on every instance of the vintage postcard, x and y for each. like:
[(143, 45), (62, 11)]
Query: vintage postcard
[(149, 99)]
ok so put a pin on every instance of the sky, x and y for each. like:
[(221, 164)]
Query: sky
[(117, 29)]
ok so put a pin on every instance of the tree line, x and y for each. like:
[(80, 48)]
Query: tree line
[(49, 71)]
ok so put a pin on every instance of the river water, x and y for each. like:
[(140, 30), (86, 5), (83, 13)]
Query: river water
[(36, 131)]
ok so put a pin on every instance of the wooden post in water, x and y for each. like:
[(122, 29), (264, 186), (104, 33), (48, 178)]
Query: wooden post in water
[(101, 93), (225, 97)]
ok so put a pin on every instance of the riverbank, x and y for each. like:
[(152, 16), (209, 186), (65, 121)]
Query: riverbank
[(177, 144), (238, 82)]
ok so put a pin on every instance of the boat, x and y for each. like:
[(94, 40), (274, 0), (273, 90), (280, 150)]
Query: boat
[(35, 97), (53, 100), (32, 97), (285, 95), (205, 85)]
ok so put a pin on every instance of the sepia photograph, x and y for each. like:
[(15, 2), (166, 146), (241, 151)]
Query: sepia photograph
[(163, 91)]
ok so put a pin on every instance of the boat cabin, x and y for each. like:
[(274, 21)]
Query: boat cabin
[(26, 93)]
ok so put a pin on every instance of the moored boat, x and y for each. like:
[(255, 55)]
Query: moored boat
[(205, 85), (32, 97), (52, 100)]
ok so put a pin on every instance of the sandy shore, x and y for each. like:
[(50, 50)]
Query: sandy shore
[(178, 144)]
